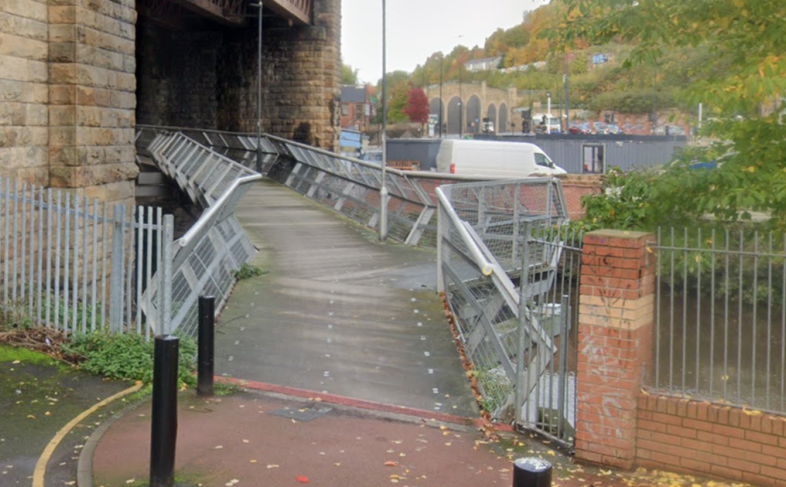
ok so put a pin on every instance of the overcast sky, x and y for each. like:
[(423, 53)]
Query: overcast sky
[(417, 28)]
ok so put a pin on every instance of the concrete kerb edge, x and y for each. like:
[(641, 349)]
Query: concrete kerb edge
[(378, 409), (84, 466)]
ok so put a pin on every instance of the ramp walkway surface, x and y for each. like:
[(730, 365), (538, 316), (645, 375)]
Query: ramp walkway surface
[(338, 312)]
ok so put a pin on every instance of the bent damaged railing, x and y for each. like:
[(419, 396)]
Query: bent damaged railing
[(501, 266), (205, 258)]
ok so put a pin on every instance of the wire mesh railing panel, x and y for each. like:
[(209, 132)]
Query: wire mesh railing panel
[(513, 318), (720, 317), (206, 256)]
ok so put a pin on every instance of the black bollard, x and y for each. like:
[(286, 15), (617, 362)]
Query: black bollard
[(531, 472), (207, 325), (164, 423)]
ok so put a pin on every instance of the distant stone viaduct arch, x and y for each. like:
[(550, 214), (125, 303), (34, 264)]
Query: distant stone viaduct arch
[(465, 105)]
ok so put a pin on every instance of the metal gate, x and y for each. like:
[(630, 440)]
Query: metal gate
[(546, 397)]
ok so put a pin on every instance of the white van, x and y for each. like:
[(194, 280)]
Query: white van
[(503, 160)]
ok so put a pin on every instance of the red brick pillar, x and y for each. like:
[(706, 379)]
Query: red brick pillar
[(615, 343)]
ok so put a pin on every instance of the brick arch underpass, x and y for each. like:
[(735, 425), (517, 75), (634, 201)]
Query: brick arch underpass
[(338, 312)]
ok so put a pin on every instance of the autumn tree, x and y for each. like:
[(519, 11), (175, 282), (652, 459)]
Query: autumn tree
[(417, 106), (398, 85), (745, 97)]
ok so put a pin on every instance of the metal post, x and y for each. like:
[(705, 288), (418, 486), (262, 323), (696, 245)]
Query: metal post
[(521, 391), (207, 318), (163, 436), (531, 472), (166, 274), (567, 105), (441, 107), (548, 120), (116, 286), (259, 87), (461, 103), (383, 190)]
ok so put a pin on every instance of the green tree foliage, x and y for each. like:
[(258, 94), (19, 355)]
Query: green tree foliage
[(746, 32), (349, 76), (743, 46), (398, 86)]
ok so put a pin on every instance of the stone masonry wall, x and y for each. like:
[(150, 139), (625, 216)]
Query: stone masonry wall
[(177, 78), (92, 97), (24, 92), (301, 82)]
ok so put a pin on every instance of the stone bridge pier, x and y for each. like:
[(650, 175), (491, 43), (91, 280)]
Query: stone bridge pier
[(76, 76)]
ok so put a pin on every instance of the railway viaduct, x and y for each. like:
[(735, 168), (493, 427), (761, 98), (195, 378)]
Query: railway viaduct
[(465, 105), (76, 76)]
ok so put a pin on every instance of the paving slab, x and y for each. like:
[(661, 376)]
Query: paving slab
[(338, 312)]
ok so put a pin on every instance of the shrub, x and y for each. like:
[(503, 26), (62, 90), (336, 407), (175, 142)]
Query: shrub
[(127, 357)]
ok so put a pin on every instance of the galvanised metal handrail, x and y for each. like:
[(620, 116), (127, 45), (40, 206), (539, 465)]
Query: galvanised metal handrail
[(497, 321), (345, 184), (205, 257)]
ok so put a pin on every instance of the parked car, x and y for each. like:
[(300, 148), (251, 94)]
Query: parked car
[(503, 160), (580, 128), (606, 128)]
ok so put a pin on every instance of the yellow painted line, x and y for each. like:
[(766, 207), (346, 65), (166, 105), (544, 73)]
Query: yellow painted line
[(40, 466)]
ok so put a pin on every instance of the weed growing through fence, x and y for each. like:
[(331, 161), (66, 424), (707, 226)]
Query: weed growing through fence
[(247, 271), (127, 357), (15, 316)]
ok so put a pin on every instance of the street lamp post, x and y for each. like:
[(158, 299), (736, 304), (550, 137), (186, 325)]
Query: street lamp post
[(383, 190), (461, 104), (441, 104), (567, 106), (548, 121), (259, 88)]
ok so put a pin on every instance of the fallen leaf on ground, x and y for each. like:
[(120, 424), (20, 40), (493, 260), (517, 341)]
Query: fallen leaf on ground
[(391, 464), (302, 479)]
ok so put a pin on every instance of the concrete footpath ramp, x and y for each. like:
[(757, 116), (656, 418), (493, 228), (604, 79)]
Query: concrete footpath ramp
[(338, 312)]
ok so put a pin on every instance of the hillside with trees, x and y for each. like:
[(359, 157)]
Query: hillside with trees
[(534, 61), (657, 56)]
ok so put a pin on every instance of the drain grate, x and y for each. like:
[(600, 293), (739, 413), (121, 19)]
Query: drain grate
[(308, 412)]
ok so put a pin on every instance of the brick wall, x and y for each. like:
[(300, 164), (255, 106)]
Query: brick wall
[(24, 91), (615, 331), (697, 437), (575, 187), (619, 425)]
